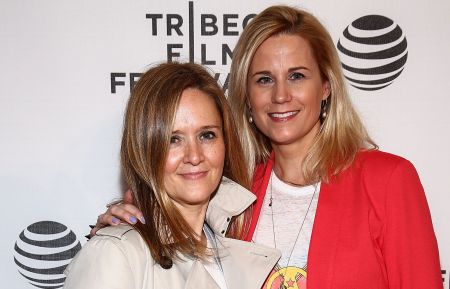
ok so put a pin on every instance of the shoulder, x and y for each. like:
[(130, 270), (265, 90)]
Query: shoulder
[(379, 162), (382, 174), (111, 259), (118, 232), (121, 235), (124, 237), (111, 245), (377, 171), (377, 156)]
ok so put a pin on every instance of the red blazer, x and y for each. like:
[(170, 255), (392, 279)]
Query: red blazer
[(372, 227)]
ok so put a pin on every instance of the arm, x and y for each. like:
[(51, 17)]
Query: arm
[(101, 264), (124, 211), (409, 245)]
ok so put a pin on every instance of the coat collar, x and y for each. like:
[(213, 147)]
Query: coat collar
[(230, 200), (245, 265)]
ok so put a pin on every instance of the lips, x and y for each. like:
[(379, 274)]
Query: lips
[(193, 175), (283, 116)]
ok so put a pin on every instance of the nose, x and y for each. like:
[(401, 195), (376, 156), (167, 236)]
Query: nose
[(193, 153), (281, 93)]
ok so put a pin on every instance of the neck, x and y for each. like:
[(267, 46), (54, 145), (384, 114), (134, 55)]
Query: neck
[(289, 157), (195, 217)]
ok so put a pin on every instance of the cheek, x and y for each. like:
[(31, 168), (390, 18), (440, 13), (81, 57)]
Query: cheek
[(173, 160), (311, 97), (254, 96), (258, 101), (216, 155)]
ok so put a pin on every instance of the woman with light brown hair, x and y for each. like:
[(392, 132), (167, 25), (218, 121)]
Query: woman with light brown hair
[(182, 158), (343, 213)]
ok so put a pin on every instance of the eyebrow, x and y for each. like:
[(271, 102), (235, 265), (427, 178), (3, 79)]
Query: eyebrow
[(211, 126), (219, 127), (289, 70)]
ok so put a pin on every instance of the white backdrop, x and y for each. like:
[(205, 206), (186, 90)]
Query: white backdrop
[(60, 123)]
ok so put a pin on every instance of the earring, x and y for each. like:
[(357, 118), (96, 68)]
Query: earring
[(250, 117), (323, 109)]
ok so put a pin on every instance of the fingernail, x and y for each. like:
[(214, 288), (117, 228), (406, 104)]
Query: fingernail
[(88, 237), (142, 220), (91, 226), (115, 220), (132, 219)]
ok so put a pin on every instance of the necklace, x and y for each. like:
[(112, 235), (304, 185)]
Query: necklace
[(302, 223)]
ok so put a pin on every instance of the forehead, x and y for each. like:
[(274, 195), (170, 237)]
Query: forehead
[(284, 49), (196, 109)]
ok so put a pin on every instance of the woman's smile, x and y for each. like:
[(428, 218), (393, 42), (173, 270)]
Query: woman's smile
[(283, 116)]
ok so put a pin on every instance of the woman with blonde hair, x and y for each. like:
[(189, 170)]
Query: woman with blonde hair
[(299, 130), (179, 140), (343, 213)]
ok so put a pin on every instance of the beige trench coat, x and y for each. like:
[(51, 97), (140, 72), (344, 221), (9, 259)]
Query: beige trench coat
[(118, 258)]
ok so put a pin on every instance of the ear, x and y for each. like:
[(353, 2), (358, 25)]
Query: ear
[(326, 89)]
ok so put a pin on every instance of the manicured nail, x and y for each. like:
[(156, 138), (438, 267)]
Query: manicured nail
[(142, 219), (133, 220), (87, 237), (91, 226), (115, 220)]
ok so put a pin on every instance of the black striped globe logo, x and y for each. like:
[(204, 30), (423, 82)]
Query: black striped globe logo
[(373, 52), (42, 252)]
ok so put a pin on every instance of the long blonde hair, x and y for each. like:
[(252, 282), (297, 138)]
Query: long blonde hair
[(342, 133), (148, 124)]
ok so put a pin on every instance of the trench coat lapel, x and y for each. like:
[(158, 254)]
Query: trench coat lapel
[(230, 200), (185, 273), (246, 265), (200, 278)]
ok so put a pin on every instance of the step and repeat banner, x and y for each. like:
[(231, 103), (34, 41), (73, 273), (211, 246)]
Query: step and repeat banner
[(66, 72)]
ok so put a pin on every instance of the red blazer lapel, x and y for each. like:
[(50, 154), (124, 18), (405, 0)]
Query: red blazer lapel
[(261, 179), (325, 236)]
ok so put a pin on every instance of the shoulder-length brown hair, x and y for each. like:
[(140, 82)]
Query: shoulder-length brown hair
[(342, 133), (149, 119)]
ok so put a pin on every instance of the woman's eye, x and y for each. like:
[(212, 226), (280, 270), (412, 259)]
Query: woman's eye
[(175, 139), (208, 135), (296, 75), (264, 80)]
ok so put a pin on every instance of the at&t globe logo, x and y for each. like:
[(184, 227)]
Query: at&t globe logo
[(42, 252), (373, 52)]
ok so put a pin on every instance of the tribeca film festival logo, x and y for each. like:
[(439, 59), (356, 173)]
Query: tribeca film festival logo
[(43, 251), (373, 52), (211, 25)]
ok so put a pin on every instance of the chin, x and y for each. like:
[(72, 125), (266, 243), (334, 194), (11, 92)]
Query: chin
[(284, 139), (200, 193), (197, 200)]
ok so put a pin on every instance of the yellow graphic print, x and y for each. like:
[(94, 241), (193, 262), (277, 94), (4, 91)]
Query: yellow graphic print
[(287, 277)]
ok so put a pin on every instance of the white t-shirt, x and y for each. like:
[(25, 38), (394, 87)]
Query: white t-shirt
[(280, 226)]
